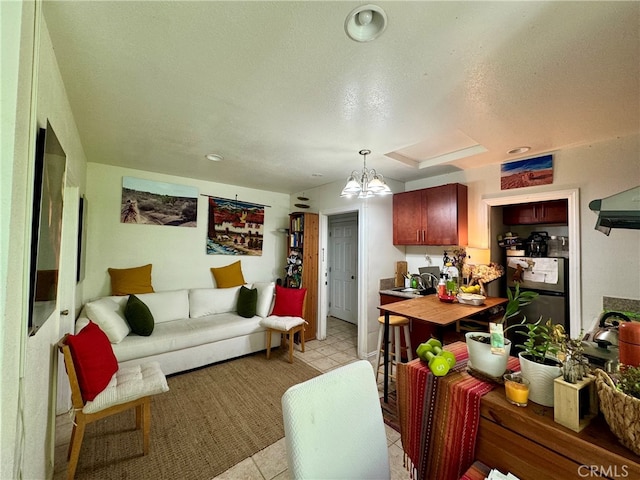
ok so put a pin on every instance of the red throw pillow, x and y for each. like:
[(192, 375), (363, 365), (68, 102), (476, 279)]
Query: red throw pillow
[(289, 302), (93, 360)]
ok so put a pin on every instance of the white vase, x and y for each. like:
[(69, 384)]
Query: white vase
[(481, 358), (541, 379)]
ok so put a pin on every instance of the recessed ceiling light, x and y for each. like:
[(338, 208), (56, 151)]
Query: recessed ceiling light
[(516, 150), (214, 157)]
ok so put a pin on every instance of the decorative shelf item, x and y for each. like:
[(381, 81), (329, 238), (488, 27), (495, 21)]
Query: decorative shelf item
[(575, 404)]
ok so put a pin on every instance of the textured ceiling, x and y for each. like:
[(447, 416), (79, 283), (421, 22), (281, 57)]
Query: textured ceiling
[(288, 99)]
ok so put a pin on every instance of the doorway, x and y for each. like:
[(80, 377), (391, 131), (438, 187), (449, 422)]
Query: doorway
[(342, 253), (359, 286), (573, 209)]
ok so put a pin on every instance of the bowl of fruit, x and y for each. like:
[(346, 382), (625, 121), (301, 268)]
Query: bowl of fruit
[(471, 298)]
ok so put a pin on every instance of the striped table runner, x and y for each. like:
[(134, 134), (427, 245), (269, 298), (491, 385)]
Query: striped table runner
[(439, 416)]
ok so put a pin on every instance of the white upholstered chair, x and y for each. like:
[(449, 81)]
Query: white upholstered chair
[(334, 428)]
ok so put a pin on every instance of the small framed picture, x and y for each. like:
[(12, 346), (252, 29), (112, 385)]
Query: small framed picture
[(526, 173)]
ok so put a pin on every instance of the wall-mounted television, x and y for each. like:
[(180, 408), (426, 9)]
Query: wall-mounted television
[(46, 227)]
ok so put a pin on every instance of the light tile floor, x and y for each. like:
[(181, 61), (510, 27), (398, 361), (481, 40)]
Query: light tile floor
[(339, 348)]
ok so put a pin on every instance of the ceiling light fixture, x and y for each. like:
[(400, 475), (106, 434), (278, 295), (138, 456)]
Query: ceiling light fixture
[(214, 157), (365, 23), (514, 151), (365, 184)]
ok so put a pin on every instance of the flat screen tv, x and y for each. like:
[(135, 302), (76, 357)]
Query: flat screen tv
[(46, 227)]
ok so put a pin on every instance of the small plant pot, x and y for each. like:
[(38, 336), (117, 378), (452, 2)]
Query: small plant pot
[(481, 358), (541, 377)]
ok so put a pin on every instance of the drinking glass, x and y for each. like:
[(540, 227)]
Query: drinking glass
[(516, 387)]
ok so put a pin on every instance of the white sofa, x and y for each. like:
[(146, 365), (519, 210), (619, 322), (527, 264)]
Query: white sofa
[(192, 327)]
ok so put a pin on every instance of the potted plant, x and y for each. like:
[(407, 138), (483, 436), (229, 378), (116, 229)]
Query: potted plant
[(538, 361), (491, 361)]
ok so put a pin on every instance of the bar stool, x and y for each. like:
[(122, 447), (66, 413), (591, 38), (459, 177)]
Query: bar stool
[(396, 324)]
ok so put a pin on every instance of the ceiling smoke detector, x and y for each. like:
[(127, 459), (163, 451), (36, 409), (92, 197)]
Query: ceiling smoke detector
[(365, 23)]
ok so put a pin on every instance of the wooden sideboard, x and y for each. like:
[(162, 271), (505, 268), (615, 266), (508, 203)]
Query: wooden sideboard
[(528, 443)]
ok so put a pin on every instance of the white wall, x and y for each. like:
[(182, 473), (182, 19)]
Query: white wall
[(29, 363), (178, 254), (610, 266)]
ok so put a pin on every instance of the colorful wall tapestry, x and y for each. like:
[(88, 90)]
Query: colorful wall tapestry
[(158, 203), (235, 228), (527, 173)]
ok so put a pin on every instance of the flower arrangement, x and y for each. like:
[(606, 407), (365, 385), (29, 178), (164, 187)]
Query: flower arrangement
[(456, 259)]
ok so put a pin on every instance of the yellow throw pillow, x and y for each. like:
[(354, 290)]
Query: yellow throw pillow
[(229, 276), (125, 281)]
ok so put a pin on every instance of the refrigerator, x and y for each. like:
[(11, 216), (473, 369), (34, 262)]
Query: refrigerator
[(547, 276)]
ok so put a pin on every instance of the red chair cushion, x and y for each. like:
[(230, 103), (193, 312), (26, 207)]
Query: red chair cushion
[(289, 302), (93, 360)]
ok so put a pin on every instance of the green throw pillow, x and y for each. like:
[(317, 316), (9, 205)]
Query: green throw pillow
[(247, 301), (138, 316)]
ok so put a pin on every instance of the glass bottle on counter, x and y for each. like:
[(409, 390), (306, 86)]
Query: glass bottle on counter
[(442, 285)]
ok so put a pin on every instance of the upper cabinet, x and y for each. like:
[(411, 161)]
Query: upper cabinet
[(431, 216), (554, 211)]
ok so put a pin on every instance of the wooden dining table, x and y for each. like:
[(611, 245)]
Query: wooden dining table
[(431, 310)]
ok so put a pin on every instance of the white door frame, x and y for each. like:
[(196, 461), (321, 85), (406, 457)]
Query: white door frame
[(323, 296), (573, 207), (343, 220)]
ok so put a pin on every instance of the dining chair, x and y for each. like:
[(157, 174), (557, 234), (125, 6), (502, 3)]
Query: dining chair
[(130, 387), (334, 427)]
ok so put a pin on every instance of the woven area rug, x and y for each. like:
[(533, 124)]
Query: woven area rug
[(390, 410), (211, 419)]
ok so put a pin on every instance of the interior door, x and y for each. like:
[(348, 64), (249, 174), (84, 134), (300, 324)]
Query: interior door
[(343, 266)]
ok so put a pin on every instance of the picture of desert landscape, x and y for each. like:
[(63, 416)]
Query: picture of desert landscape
[(158, 203), (527, 173)]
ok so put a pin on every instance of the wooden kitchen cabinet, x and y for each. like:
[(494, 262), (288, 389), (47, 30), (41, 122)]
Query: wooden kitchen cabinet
[(303, 241), (550, 212), (431, 216)]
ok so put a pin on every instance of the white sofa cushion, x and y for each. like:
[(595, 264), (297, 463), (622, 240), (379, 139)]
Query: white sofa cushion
[(266, 298), (167, 306), (129, 383), (109, 316), (190, 332), (209, 301)]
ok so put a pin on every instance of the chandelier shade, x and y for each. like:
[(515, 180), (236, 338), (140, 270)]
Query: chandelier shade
[(366, 183)]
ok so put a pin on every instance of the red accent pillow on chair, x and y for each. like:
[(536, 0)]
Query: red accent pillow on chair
[(93, 360), (289, 302)]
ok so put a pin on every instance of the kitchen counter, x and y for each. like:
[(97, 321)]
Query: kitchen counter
[(397, 293)]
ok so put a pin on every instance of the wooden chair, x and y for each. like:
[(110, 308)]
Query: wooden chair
[(287, 327), (150, 384)]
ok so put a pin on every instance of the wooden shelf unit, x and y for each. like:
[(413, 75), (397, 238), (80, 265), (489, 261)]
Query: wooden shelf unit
[(303, 238)]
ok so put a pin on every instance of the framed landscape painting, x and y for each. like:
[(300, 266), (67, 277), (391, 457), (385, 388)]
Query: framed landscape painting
[(158, 203), (527, 173)]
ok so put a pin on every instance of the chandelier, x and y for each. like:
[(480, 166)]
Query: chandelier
[(365, 184)]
